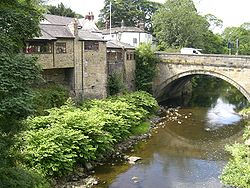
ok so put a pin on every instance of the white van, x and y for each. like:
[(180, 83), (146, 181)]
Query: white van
[(190, 51)]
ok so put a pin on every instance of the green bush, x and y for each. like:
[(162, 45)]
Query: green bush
[(141, 99), (54, 150), (115, 84), (237, 171), (70, 135), (145, 71), (49, 96), (14, 177)]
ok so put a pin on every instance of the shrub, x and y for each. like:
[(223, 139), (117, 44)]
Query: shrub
[(68, 135), (115, 84), (237, 171), (54, 150), (145, 67), (49, 96), (15, 177)]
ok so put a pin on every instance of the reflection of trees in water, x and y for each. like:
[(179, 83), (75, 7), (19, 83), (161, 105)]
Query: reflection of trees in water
[(207, 89)]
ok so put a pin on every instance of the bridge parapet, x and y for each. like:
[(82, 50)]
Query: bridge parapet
[(205, 59)]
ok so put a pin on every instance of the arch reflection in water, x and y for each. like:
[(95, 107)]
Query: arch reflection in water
[(221, 114)]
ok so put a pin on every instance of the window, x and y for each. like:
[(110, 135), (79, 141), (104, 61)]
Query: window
[(134, 40), (91, 45), (60, 47), (38, 47), (127, 56), (130, 56)]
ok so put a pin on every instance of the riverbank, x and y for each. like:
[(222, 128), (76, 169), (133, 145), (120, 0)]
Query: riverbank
[(69, 141), (237, 172), (88, 179), (85, 177)]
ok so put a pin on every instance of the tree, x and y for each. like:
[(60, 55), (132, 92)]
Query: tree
[(177, 24), (132, 12), (242, 34), (19, 22), (145, 67), (214, 21), (61, 10)]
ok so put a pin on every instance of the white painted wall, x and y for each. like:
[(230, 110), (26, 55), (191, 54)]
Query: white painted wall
[(132, 38)]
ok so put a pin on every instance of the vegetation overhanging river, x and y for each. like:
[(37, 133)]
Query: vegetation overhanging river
[(186, 150)]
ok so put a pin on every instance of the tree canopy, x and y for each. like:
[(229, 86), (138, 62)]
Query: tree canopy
[(177, 24), (61, 10), (19, 22), (242, 34), (132, 12)]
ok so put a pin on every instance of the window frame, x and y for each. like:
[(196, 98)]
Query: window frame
[(91, 45), (35, 47), (63, 45)]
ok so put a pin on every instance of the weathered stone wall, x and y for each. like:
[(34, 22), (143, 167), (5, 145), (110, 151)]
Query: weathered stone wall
[(64, 60), (129, 69), (62, 76), (95, 72), (115, 60), (45, 60), (233, 69), (58, 60)]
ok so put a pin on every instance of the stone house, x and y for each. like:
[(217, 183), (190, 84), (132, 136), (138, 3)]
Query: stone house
[(121, 61), (76, 59)]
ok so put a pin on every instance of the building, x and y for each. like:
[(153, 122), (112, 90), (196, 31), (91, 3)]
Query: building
[(72, 57), (121, 61), (130, 35)]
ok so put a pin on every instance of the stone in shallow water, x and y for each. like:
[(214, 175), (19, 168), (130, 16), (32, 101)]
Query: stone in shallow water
[(132, 159)]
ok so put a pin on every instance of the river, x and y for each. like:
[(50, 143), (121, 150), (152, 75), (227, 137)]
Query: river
[(187, 150)]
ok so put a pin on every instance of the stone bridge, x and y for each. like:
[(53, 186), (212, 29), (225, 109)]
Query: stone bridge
[(175, 70)]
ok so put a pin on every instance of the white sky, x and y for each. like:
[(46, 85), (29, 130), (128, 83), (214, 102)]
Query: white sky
[(232, 12)]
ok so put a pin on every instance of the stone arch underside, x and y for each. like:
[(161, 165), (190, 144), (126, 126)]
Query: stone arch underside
[(160, 89)]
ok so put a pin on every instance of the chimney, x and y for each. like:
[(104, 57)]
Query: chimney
[(75, 27), (90, 16)]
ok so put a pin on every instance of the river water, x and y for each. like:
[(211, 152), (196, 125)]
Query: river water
[(186, 151)]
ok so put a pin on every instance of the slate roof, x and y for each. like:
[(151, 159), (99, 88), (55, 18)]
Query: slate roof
[(58, 31), (45, 36), (87, 35), (123, 29), (58, 20), (117, 44)]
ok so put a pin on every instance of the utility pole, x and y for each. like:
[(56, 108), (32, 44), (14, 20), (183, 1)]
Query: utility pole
[(110, 25), (237, 47)]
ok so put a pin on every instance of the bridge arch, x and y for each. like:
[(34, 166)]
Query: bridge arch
[(159, 91)]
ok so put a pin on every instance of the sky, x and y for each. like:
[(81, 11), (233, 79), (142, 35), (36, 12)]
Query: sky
[(231, 12)]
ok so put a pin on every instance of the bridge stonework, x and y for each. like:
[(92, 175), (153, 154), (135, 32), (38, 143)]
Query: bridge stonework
[(233, 69)]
